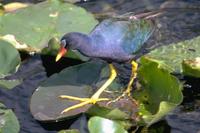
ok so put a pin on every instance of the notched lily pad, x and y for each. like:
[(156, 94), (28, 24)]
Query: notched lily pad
[(9, 59), (75, 81), (160, 93), (102, 125), (54, 19), (8, 121), (191, 67), (174, 54)]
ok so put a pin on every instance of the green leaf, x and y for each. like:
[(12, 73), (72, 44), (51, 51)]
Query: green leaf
[(114, 114), (102, 125), (191, 67), (174, 54), (161, 91), (9, 59), (107, 113), (8, 121), (74, 81), (48, 19)]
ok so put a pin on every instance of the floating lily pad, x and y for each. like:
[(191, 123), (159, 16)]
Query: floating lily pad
[(76, 81), (107, 113), (49, 19), (102, 125), (174, 54), (9, 59), (191, 67), (160, 93), (8, 121), (9, 62)]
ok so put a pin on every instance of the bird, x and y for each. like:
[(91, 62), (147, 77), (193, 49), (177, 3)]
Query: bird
[(112, 40)]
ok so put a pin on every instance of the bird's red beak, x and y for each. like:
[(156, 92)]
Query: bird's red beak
[(61, 53)]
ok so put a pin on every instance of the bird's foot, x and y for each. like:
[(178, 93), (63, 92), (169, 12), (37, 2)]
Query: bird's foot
[(83, 101), (127, 92), (95, 98)]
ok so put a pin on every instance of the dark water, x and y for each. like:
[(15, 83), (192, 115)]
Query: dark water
[(180, 21)]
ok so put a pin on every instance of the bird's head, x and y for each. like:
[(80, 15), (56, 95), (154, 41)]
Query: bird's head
[(69, 41)]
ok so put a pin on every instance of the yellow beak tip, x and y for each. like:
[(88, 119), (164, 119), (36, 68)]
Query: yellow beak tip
[(58, 57)]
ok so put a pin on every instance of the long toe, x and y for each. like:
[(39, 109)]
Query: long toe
[(75, 106), (73, 98), (84, 101)]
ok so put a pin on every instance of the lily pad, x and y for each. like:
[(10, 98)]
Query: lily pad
[(191, 67), (76, 81), (174, 54), (51, 18), (9, 59), (160, 93), (8, 121), (102, 125), (107, 113)]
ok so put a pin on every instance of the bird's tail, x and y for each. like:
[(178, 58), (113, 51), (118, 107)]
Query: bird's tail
[(131, 15), (147, 15)]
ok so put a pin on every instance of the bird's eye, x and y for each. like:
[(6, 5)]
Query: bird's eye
[(63, 43)]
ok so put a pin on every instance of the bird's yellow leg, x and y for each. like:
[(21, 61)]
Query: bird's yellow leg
[(113, 75), (73, 98), (132, 78), (129, 87), (95, 98)]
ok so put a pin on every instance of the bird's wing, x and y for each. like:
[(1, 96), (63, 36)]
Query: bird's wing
[(138, 33), (128, 34), (110, 31)]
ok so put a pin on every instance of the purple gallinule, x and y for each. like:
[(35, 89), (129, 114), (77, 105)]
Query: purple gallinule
[(113, 40)]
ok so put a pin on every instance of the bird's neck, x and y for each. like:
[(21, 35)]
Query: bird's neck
[(84, 44)]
